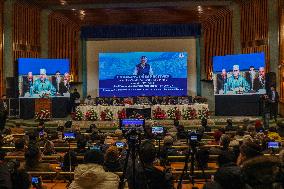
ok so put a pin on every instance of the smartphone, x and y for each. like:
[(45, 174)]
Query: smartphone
[(120, 144), (157, 130), (41, 133), (95, 147), (69, 135), (274, 145), (35, 180)]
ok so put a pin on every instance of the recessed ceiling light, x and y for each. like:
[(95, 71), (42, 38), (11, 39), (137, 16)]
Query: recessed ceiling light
[(199, 8), (63, 2)]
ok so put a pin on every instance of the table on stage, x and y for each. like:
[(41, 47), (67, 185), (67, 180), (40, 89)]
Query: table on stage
[(58, 106), (147, 108)]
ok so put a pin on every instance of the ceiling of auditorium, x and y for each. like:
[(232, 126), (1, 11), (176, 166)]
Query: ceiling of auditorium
[(109, 12)]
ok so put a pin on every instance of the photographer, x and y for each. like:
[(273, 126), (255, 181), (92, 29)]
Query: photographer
[(149, 175)]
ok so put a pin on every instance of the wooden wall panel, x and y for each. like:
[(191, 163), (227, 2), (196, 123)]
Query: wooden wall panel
[(217, 32), (2, 79), (26, 31), (63, 40), (254, 28), (281, 52)]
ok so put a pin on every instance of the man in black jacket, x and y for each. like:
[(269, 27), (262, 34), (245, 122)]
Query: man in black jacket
[(273, 101), (3, 112)]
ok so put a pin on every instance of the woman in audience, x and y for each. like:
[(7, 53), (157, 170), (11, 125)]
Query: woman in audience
[(112, 161), (33, 160), (92, 174)]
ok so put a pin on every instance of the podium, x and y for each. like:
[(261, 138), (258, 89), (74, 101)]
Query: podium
[(57, 106), (43, 104)]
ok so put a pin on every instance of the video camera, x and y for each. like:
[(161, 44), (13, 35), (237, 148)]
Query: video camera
[(194, 138)]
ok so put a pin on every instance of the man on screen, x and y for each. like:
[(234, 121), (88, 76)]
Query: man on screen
[(236, 83), (250, 77), (221, 81), (28, 83), (56, 80), (65, 84), (259, 82), (143, 68), (43, 86)]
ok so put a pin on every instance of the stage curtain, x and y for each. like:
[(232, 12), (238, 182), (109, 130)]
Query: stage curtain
[(134, 31)]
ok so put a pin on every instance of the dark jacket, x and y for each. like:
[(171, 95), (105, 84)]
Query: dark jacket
[(150, 176), (5, 177), (261, 172)]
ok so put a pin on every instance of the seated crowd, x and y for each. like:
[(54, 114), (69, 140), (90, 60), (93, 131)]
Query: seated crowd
[(143, 100), (98, 162)]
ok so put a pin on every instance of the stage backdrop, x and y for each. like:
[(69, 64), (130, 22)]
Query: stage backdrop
[(146, 45)]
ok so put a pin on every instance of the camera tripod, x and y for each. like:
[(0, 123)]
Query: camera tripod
[(190, 176), (134, 141)]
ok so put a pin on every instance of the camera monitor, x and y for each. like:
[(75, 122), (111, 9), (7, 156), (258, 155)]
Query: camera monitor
[(157, 130), (95, 147), (132, 124), (69, 135), (274, 145), (120, 144)]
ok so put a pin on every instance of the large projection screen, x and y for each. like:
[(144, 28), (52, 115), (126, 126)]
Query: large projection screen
[(95, 47)]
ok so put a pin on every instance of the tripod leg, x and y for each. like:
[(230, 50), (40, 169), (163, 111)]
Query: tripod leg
[(184, 171), (122, 178)]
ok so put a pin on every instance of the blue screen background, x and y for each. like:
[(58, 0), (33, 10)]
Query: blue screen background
[(243, 60), (173, 64), (112, 64), (34, 65)]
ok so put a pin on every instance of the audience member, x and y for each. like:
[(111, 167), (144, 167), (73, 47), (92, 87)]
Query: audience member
[(19, 148), (112, 161), (92, 174), (150, 176), (33, 160), (229, 126), (261, 172), (89, 100), (204, 127), (248, 150), (5, 177), (228, 176)]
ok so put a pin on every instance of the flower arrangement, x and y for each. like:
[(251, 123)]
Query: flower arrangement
[(158, 113), (121, 114), (274, 136), (203, 113), (174, 113), (91, 115), (42, 115), (106, 115), (77, 115), (189, 113)]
